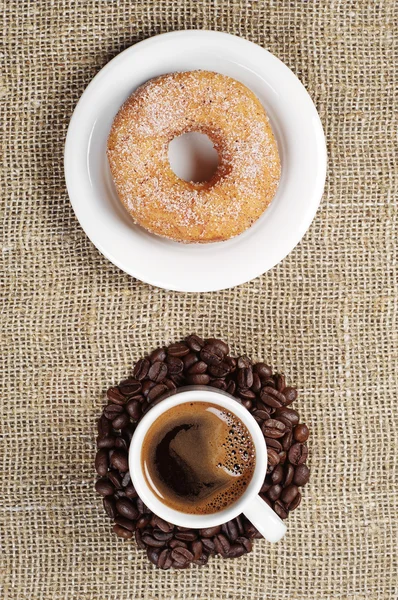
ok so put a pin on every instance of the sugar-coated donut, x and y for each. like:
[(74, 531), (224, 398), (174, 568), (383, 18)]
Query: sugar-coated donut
[(233, 118)]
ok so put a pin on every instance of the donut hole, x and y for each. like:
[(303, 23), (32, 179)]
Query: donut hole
[(192, 157)]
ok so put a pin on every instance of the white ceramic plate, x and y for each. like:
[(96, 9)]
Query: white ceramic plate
[(196, 267)]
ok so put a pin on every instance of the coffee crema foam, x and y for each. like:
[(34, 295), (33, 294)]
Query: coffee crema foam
[(198, 458)]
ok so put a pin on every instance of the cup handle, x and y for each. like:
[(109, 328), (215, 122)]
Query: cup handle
[(265, 519)]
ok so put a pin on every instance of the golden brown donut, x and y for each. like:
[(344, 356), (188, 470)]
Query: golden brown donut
[(233, 118)]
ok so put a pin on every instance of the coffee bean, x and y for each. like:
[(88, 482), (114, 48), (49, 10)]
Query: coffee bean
[(157, 371), (121, 421), (130, 491), (164, 559), (197, 549), (208, 545), (162, 524), (247, 404), (198, 368), (162, 535), (298, 454), (104, 427), (147, 385), (277, 474), (231, 387), (112, 411), (295, 503), (141, 369), (244, 362), (209, 532), (222, 544), (251, 531), (158, 355), (157, 391), (301, 433), (122, 532), (102, 462), (235, 551), (280, 509), (110, 506), (246, 394), (141, 507), (194, 343), (115, 479), (289, 493), (126, 523), (149, 540), (178, 350), (287, 413), (289, 474), (181, 555), (262, 370), (301, 475), (143, 521), (280, 382), (177, 544), (274, 393), (169, 384), (230, 530), (290, 395), (219, 343), (269, 399), (104, 487), (119, 460), (138, 539), (212, 355), (274, 492), (266, 485), (175, 365), (256, 385), (189, 360), (245, 542), (273, 459), (273, 443), (133, 407), (126, 508), (282, 457), (273, 429), (106, 442), (219, 384), (261, 414), (115, 396), (121, 443), (200, 379), (186, 536), (130, 387), (153, 556), (220, 370), (287, 440), (245, 377)]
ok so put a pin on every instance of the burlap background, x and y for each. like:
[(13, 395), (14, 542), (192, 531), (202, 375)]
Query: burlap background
[(73, 323)]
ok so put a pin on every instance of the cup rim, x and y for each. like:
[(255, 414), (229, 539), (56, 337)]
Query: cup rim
[(197, 394)]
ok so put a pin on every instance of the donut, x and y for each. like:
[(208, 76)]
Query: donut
[(230, 114)]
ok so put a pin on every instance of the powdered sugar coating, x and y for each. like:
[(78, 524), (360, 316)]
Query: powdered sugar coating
[(233, 118)]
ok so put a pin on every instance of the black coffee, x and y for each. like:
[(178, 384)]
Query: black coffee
[(198, 458)]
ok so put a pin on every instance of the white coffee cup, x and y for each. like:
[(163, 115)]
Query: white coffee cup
[(250, 504)]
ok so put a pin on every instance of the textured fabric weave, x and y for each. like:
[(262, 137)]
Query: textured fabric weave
[(72, 323)]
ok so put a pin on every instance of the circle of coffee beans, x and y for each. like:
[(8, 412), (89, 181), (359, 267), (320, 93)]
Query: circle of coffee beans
[(265, 394)]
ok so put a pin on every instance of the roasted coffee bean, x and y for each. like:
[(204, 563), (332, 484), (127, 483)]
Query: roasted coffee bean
[(157, 371), (110, 506), (141, 507), (115, 478), (106, 442), (230, 529), (186, 536), (122, 532), (130, 491), (267, 484), (280, 382), (246, 394), (222, 544), (244, 378), (161, 524), (287, 440), (289, 493), (212, 355), (141, 369), (194, 342), (232, 364), (219, 343), (175, 365), (209, 532), (280, 509), (256, 385), (143, 521), (231, 387), (282, 457), (273, 458), (102, 462), (126, 523), (162, 535), (177, 544), (288, 413), (198, 368), (236, 550), (130, 387), (274, 492), (301, 475), (273, 443), (157, 391), (219, 384), (208, 545), (126, 479), (273, 429), (149, 540), (181, 555), (104, 487), (169, 384), (301, 433), (119, 460), (220, 370), (189, 360), (178, 350), (295, 503), (115, 396), (197, 549), (290, 395), (126, 508), (245, 542), (298, 454), (277, 474), (268, 399), (112, 411), (288, 476), (261, 414), (263, 371), (252, 531), (134, 409), (244, 362), (247, 404), (153, 555), (121, 421), (104, 427), (121, 443), (147, 385), (200, 379), (158, 355), (164, 559)]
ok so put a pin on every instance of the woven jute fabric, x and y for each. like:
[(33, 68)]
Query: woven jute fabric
[(72, 323)]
